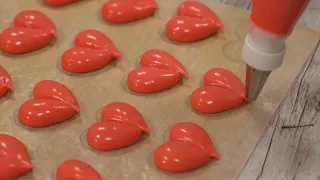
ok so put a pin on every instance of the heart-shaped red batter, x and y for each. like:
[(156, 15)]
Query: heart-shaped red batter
[(93, 51), (222, 91), (194, 22), (53, 103), (32, 31), (5, 82), (14, 158), (59, 2), (123, 11), (159, 71), (122, 125), (76, 170), (162, 60), (189, 147)]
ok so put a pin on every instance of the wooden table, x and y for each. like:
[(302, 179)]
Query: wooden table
[(290, 146)]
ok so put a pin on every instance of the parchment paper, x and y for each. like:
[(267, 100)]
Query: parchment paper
[(234, 133)]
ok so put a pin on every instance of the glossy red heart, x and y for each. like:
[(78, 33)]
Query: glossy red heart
[(110, 135), (189, 29), (194, 134), (5, 82), (52, 103), (32, 31), (59, 2), (189, 147), (14, 158), (93, 51), (180, 156), (35, 20), (121, 125), (162, 60), (13, 168), (76, 170), (124, 113), (194, 8), (12, 148), (194, 22), (44, 112), (211, 99), (83, 60), (21, 40), (150, 80), (220, 77), (123, 11), (222, 91), (48, 89), (97, 40)]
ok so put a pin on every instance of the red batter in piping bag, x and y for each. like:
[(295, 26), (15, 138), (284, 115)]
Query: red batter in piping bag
[(222, 91), (76, 170), (159, 71), (194, 22), (93, 51), (189, 147), (123, 11), (5, 82), (52, 103), (122, 125), (14, 158), (32, 31), (59, 2)]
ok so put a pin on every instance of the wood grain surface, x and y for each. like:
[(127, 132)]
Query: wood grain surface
[(290, 147)]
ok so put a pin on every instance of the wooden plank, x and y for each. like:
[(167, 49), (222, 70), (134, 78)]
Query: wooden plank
[(289, 148)]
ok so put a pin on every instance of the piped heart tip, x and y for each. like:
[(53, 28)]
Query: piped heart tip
[(76, 108), (28, 165)]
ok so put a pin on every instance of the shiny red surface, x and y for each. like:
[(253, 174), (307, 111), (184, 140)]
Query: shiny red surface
[(159, 71), (222, 91), (150, 80), (11, 169), (93, 51), (32, 31), (189, 147), (76, 170), (110, 135), (52, 103), (194, 22), (5, 82), (48, 89), (21, 40), (35, 20), (277, 17), (124, 113), (123, 11), (162, 60), (194, 8), (12, 148), (121, 125), (14, 158), (59, 2), (194, 134), (44, 112), (96, 40), (83, 60), (220, 77)]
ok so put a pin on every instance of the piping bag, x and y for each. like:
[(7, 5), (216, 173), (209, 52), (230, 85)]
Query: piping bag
[(264, 48)]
